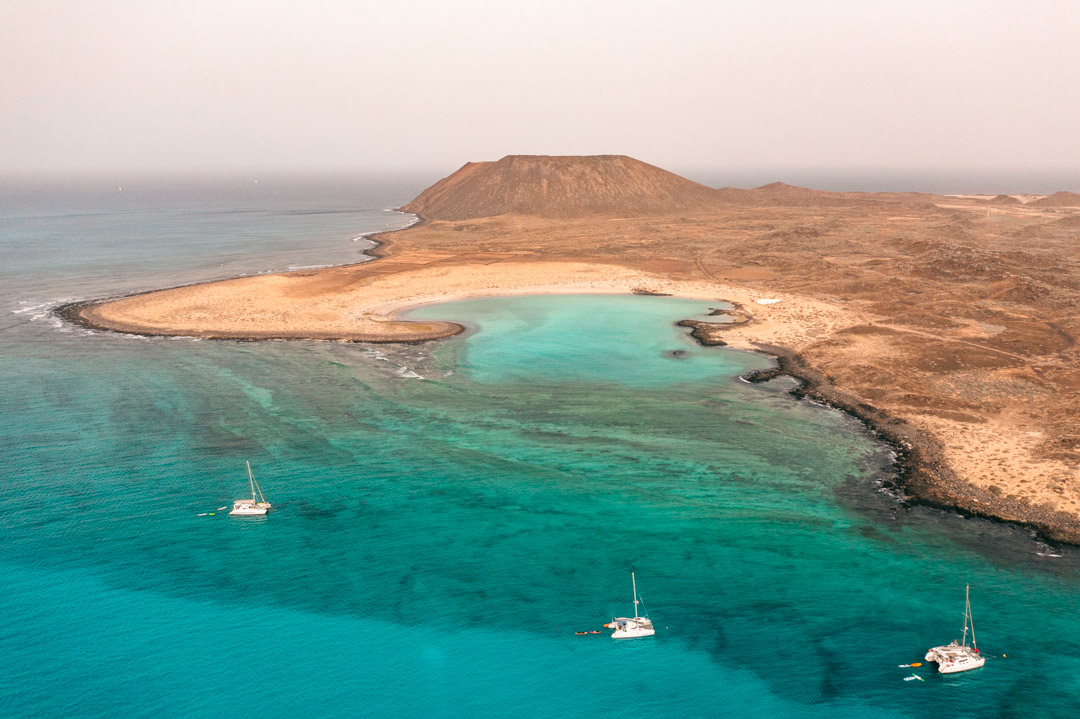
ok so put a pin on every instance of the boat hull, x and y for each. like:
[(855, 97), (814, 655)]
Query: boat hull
[(249, 509), (954, 668), (627, 628), (952, 659)]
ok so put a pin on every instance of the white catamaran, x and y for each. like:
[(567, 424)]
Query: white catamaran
[(638, 626), (253, 506), (959, 657)]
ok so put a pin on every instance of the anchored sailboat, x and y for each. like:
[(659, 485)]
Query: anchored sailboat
[(960, 657), (638, 626), (253, 506)]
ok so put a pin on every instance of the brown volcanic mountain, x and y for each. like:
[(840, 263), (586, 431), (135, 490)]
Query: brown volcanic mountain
[(1058, 199), (563, 187), (1000, 200), (566, 187)]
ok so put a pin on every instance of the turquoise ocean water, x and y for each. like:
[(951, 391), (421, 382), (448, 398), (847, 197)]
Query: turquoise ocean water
[(449, 514)]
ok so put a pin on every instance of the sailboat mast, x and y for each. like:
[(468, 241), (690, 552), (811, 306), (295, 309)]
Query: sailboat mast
[(967, 615), (255, 486), (633, 579), (971, 619)]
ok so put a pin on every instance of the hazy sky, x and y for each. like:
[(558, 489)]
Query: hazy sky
[(261, 86)]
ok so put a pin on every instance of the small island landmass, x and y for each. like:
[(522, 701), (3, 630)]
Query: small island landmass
[(946, 323)]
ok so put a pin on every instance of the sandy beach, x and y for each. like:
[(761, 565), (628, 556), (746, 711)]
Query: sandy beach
[(347, 304)]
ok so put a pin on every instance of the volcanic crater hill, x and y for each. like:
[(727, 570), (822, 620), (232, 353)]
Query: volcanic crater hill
[(562, 187), (1058, 199), (781, 194), (1000, 200), (569, 187)]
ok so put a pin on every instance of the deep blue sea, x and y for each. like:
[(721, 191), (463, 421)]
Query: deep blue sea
[(449, 514)]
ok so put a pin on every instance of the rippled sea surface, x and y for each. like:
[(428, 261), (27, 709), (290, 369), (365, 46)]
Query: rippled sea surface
[(448, 515)]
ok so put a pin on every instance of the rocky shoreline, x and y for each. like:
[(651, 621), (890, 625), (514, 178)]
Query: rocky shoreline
[(924, 476)]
